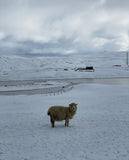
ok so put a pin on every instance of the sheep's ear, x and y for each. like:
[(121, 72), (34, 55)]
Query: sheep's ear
[(76, 104)]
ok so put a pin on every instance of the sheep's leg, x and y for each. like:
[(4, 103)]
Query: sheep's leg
[(67, 122), (52, 122)]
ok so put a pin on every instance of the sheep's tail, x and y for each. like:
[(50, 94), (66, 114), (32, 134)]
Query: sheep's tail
[(48, 113)]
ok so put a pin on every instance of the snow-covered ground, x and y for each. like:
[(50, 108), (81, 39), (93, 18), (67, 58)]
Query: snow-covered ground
[(99, 130), (29, 86), (23, 73), (106, 65)]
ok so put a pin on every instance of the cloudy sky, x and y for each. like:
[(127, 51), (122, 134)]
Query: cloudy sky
[(63, 26)]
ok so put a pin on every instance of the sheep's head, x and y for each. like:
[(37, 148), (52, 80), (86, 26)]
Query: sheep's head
[(73, 107)]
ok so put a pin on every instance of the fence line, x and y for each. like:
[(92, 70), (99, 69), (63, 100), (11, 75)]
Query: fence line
[(46, 91)]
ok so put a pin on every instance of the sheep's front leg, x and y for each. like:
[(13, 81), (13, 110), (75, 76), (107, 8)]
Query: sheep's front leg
[(67, 122)]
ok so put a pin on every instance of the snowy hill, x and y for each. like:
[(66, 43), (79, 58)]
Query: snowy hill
[(105, 64)]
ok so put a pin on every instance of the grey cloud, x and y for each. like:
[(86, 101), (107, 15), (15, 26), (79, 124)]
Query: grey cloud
[(105, 34), (26, 47), (64, 26), (111, 46), (117, 4)]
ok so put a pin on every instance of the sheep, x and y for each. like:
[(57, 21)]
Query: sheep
[(60, 113)]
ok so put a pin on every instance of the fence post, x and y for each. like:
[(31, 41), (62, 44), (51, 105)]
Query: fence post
[(127, 58)]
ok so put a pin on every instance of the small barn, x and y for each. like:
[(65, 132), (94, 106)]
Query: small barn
[(87, 69)]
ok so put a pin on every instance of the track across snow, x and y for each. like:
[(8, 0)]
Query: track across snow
[(52, 86)]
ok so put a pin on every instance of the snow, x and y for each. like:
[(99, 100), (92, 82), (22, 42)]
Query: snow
[(99, 130), (29, 86), (19, 68)]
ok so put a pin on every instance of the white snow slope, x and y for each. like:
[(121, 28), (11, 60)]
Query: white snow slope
[(106, 65), (99, 130)]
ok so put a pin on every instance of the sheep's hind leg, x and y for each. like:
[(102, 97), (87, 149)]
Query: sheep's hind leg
[(52, 122)]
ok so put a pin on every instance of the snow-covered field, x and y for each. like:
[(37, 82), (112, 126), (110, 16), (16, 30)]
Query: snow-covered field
[(99, 130), (26, 73), (29, 86), (106, 65)]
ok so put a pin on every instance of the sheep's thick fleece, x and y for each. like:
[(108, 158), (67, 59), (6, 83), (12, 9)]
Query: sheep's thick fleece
[(59, 113)]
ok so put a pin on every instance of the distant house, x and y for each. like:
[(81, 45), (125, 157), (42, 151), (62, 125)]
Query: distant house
[(87, 68)]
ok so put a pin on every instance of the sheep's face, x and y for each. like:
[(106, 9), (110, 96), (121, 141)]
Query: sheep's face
[(73, 107)]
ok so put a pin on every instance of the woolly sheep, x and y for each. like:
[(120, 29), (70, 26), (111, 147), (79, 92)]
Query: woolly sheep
[(60, 113)]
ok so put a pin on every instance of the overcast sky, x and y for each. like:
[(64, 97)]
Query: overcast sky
[(63, 26)]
